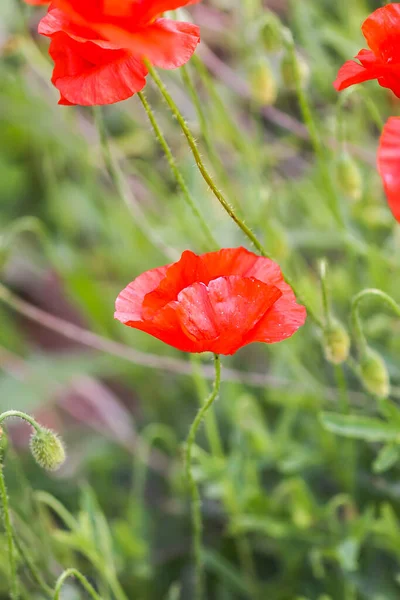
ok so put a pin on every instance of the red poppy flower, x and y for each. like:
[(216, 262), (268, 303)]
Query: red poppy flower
[(382, 61), (99, 52), (216, 302), (389, 163)]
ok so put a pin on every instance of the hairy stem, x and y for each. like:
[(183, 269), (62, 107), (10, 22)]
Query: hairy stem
[(194, 491)]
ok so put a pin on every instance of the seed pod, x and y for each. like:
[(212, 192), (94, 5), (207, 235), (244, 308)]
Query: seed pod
[(374, 374), (349, 176), (263, 84), (47, 449), (336, 343), (293, 66)]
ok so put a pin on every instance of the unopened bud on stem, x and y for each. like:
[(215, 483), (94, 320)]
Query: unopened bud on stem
[(47, 449), (374, 374), (336, 342)]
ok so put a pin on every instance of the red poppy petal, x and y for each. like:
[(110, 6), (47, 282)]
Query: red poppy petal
[(281, 322), (56, 21), (220, 315), (389, 163), (128, 306), (382, 32), (166, 44), (352, 72), (87, 74), (153, 8)]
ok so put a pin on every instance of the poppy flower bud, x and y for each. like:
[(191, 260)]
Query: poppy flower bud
[(271, 33), (290, 63), (349, 177), (374, 374), (47, 449), (336, 342), (263, 83)]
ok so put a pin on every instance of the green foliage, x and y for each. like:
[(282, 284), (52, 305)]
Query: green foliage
[(298, 466)]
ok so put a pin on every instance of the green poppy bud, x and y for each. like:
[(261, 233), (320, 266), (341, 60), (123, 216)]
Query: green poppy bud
[(271, 33), (374, 374), (47, 449), (290, 63), (336, 343), (349, 177), (264, 89)]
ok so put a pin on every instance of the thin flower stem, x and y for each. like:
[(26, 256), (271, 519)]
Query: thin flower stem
[(194, 491), (202, 168), (82, 580), (355, 313), (21, 415), (121, 186), (14, 588), (210, 420), (176, 172), (324, 289), (309, 121)]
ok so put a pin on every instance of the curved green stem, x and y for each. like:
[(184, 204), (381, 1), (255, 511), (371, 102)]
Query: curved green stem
[(355, 313), (14, 588), (82, 580), (201, 166), (194, 491), (21, 415), (176, 172)]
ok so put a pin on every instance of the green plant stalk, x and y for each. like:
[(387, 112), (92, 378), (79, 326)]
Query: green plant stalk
[(208, 179), (309, 121), (325, 295), (36, 575), (210, 421), (201, 166), (194, 491), (21, 415), (82, 580), (355, 313), (14, 588), (176, 172)]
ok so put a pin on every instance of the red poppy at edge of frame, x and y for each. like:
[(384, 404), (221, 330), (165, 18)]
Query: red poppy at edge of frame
[(389, 163), (98, 51), (382, 61), (216, 302)]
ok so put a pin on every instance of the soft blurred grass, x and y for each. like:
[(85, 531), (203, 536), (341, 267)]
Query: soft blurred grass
[(317, 518)]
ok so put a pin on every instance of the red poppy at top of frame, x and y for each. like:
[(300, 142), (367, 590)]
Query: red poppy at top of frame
[(382, 61), (216, 302), (99, 47)]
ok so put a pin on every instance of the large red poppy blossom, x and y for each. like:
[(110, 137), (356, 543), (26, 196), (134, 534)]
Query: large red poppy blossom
[(382, 61), (389, 163), (216, 302), (99, 52)]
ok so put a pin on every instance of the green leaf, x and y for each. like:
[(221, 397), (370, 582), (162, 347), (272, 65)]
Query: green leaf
[(386, 459), (362, 428)]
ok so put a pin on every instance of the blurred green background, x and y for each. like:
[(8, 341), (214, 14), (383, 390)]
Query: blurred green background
[(298, 509)]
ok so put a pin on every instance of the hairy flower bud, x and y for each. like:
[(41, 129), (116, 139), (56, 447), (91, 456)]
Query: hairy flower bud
[(271, 33), (349, 177), (293, 66), (263, 83), (374, 374), (336, 343), (47, 449)]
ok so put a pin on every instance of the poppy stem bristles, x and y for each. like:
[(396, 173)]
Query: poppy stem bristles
[(211, 241), (5, 511), (201, 166), (82, 580), (194, 491)]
